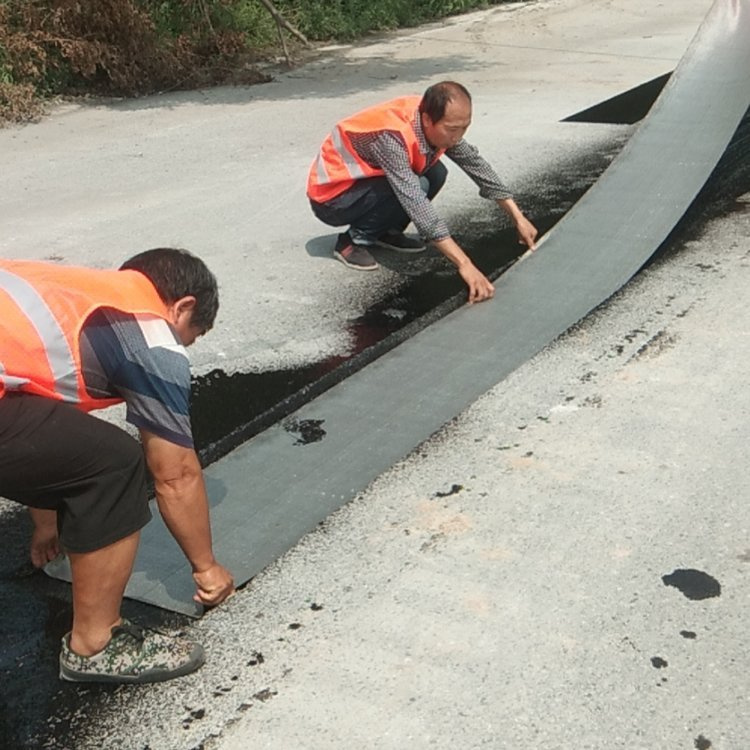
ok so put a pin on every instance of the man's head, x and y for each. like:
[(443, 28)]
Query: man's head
[(185, 285), (446, 113)]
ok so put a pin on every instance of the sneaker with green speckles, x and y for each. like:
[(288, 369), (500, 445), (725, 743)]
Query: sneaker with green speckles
[(133, 655)]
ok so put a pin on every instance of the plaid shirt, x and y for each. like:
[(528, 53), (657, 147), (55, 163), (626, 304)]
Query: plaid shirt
[(386, 150)]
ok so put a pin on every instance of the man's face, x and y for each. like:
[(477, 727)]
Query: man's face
[(181, 317), (189, 333), (447, 132)]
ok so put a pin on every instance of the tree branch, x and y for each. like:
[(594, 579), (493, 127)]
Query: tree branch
[(282, 22)]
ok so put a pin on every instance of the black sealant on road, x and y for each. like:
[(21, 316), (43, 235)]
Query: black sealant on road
[(694, 584)]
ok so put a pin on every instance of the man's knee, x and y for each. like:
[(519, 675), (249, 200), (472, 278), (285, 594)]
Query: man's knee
[(434, 179)]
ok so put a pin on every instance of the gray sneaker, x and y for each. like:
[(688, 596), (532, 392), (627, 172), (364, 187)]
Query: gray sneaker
[(401, 243), (353, 256), (135, 655)]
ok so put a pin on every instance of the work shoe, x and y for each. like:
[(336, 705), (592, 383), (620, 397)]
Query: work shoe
[(401, 242), (134, 654), (354, 256)]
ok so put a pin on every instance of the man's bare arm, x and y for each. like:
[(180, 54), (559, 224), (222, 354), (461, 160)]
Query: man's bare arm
[(183, 504)]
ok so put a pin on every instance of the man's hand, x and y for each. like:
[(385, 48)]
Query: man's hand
[(527, 232), (45, 546), (181, 496), (480, 287), (214, 585)]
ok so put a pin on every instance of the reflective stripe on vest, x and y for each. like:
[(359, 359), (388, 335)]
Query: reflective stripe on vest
[(352, 165), (59, 357), (11, 382)]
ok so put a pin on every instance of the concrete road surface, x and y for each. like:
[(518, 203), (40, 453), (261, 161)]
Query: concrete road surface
[(563, 566)]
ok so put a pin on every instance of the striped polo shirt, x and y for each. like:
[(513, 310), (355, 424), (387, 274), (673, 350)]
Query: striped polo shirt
[(140, 359)]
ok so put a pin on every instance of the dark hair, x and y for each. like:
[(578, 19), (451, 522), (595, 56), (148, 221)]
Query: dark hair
[(177, 273), (436, 98)]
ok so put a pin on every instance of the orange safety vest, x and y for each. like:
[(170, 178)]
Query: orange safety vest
[(43, 307), (338, 166)]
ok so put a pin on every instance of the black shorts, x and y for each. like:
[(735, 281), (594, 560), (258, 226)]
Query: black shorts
[(56, 457)]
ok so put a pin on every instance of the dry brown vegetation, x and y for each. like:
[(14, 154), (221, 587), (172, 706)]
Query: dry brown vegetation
[(107, 47)]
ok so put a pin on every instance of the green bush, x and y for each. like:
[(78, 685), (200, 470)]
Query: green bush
[(349, 19)]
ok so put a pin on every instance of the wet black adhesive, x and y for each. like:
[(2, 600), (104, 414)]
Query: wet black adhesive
[(227, 410), (694, 584), (307, 430)]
